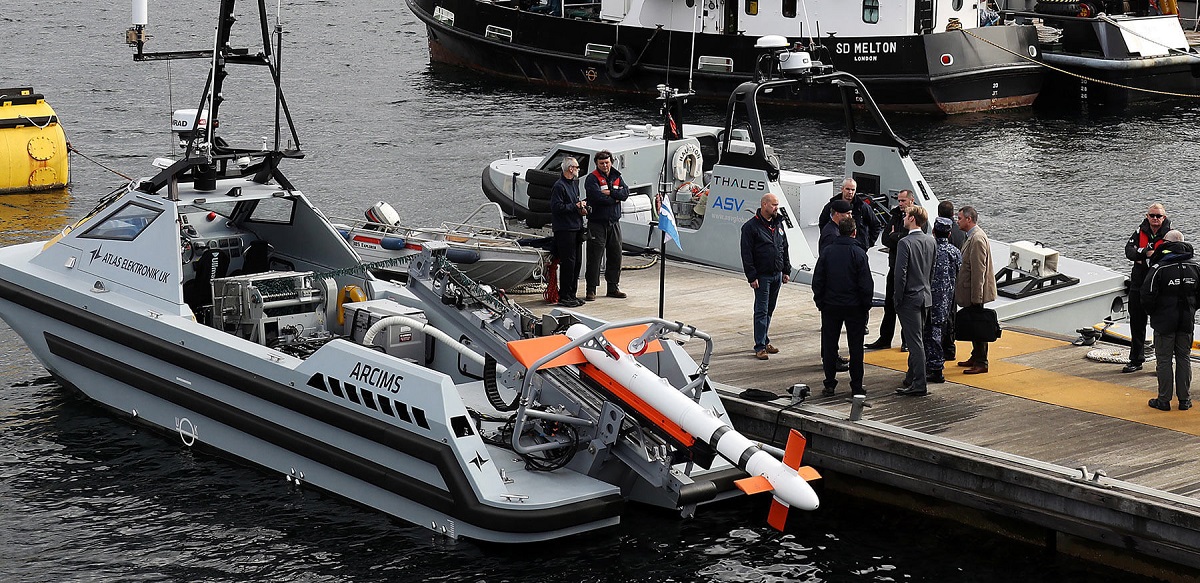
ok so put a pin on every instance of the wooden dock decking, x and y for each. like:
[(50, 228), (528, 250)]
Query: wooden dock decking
[(1010, 442)]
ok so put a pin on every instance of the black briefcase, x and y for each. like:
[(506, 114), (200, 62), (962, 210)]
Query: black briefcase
[(976, 324)]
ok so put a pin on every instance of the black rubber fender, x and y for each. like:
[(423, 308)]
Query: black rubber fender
[(539, 205), (620, 63), (538, 192), (537, 220), (542, 177), (462, 256)]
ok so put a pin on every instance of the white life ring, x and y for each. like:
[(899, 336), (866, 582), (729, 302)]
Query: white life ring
[(689, 162)]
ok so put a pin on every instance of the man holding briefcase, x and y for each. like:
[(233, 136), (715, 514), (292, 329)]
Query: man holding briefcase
[(976, 283)]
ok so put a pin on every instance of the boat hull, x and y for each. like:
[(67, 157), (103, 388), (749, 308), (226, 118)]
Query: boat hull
[(212, 392), (1112, 83), (941, 73), (1115, 60)]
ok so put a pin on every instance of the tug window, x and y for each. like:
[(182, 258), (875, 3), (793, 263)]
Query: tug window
[(789, 8), (871, 11), (752, 7), (124, 225)]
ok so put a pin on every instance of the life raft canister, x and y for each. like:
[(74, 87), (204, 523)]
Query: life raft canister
[(33, 147), (688, 162), (348, 294)]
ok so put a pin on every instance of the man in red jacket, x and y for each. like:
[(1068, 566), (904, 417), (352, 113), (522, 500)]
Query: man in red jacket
[(1138, 249)]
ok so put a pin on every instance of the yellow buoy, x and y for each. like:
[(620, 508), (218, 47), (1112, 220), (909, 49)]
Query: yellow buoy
[(33, 147)]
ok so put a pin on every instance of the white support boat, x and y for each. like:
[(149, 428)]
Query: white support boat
[(716, 176), (437, 402), (492, 255)]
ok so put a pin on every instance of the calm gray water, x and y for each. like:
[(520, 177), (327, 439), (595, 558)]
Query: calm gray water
[(86, 498)]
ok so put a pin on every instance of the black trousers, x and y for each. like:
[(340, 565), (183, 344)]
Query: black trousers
[(604, 243), (887, 326), (568, 247), (854, 319), (1137, 327)]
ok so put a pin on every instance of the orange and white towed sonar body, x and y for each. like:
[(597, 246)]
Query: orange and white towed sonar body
[(785, 479)]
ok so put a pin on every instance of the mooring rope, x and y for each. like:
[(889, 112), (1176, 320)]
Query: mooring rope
[(71, 148), (653, 260)]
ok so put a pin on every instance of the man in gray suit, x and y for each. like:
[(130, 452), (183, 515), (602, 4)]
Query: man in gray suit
[(914, 263)]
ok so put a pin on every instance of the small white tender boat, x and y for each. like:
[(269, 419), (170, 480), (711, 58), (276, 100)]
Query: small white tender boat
[(492, 255)]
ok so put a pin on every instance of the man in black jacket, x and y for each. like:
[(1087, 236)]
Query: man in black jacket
[(892, 233), (1170, 294), (765, 260), (838, 209), (842, 289), (566, 216), (864, 217), (1138, 249), (605, 192)]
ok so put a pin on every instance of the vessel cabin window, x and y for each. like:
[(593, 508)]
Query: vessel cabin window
[(554, 164), (752, 7), (124, 225), (273, 210), (789, 8), (871, 11)]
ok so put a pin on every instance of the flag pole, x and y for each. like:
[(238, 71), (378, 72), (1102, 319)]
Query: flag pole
[(664, 94), (662, 273), (666, 217)]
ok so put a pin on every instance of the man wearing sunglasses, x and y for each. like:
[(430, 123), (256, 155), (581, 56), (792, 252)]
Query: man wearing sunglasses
[(567, 212), (1138, 249)]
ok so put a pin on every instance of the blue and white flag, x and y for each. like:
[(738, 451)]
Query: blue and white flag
[(666, 222)]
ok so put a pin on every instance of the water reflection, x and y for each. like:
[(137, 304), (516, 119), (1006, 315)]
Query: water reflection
[(30, 217)]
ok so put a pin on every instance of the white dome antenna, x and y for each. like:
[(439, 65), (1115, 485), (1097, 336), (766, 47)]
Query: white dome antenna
[(772, 42)]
